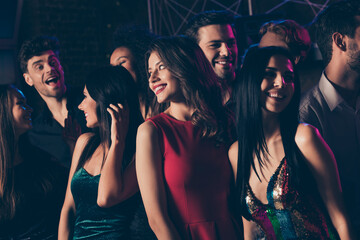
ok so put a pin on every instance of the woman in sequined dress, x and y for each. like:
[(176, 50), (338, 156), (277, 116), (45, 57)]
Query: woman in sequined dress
[(287, 183)]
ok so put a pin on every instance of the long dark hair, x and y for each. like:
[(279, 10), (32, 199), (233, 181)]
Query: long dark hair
[(198, 82), (112, 85), (249, 121), (8, 146)]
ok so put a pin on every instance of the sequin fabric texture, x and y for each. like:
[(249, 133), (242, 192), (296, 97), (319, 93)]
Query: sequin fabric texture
[(288, 214)]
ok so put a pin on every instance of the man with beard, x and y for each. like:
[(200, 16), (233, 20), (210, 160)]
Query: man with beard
[(333, 105), (213, 31), (59, 124)]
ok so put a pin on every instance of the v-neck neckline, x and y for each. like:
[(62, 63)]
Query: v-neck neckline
[(269, 187)]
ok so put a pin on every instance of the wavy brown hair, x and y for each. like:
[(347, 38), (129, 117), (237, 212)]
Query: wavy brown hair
[(10, 146), (198, 83)]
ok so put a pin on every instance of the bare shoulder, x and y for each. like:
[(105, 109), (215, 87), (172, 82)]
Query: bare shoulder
[(233, 157), (81, 143), (147, 129), (313, 146), (147, 143), (83, 139), (233, 151), (306, 134)]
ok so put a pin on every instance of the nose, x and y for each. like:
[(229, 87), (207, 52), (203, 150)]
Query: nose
[(279, 81), (224, 50), (80, 106), (153, 77)]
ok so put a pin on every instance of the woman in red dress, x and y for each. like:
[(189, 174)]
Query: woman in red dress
[(182, 166)]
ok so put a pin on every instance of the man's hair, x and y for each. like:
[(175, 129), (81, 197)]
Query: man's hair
[(35, 47), (338, 17), (208, 18), (294, 35)]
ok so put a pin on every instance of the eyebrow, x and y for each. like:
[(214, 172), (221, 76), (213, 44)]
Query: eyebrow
[(271, 68), (121, 57), (20, 98), (275, 69), (220, 41), (156, 64), (39, 61), (52, 56)]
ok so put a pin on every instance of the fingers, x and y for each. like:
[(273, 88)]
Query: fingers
[(117, 111)]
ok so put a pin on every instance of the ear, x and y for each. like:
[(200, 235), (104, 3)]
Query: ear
[(339, 41), (28, 79)]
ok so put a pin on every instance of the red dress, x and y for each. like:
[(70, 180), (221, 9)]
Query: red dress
[(197, 179)]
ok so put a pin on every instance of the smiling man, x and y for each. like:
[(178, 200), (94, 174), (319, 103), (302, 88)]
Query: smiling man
[(57, 127), (213, 31)]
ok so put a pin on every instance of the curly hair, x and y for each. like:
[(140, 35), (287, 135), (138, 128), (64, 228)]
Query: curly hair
[(35, 47), (294, 35), (137, 39)]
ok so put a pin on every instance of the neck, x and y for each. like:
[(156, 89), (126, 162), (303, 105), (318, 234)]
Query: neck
[(227, 88), (180, 111), (58, 109), (345, 80), (343, 76), (271, 125)]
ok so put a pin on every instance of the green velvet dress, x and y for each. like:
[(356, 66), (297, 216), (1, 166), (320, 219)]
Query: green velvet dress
[(94, 222)]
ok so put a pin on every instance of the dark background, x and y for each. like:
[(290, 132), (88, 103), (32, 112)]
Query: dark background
[(85, 27)]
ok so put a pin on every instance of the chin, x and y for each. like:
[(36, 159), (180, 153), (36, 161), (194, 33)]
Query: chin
[(160, 100), (92, 125)]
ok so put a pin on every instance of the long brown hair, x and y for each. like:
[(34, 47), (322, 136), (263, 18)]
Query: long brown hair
[(198, 82), (8, 146)]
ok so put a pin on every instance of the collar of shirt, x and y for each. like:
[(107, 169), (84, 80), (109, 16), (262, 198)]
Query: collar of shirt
[(332, 97)]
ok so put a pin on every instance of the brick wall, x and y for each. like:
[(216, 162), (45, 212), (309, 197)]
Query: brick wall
[(84, 28)]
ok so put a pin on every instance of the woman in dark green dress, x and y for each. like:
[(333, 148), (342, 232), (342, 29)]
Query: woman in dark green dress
[(102, 190)]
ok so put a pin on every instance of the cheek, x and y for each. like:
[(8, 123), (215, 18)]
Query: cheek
[(210, 54), (264, 85), (17, 114)]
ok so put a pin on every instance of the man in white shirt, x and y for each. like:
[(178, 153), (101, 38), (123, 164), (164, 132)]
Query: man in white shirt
[(333, 105)]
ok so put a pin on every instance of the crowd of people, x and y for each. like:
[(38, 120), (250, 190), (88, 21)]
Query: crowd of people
[(181, 138)]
